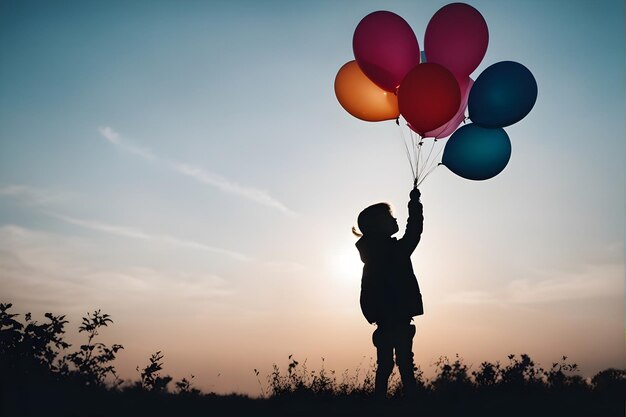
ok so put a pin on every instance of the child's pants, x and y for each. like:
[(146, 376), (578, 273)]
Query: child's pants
[(386, 338)]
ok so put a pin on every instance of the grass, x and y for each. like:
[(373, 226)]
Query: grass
[(39, 376)]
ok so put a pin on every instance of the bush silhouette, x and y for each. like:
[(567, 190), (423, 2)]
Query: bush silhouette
[(29, 351), (40, 375), (151, 378), (91, 364)]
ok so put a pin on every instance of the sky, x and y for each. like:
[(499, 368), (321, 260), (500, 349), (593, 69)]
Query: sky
[(186, 168)]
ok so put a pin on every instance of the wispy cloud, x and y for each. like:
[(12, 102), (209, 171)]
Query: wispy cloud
[(549, 286), (113, 137), (46, 270), (134, 233), (594, 281), (227, 186), (43, 199), (472, 297), (197, 173), (32, 195), (293, 267)]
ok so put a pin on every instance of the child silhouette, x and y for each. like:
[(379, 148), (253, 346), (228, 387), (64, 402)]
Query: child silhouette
[(390, 294)]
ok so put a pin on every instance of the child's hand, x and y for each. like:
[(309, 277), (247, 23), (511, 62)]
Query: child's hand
[(415, 194)]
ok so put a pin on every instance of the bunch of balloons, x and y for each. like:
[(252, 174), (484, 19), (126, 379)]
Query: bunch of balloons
[(432, 89)]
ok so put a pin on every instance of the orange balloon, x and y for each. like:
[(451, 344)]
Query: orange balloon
[(363, 99)]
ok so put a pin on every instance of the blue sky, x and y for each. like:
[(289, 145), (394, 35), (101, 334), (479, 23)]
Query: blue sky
[(185, 165)]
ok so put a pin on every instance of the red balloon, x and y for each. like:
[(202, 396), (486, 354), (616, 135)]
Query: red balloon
[(385, 48), (428, 97), (457, 37), (447, 129)]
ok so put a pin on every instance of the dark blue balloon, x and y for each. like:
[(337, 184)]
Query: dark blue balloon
[(477, 153), (503, 94)]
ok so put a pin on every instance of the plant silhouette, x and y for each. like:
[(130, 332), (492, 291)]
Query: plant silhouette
[(151, 378), (38, 377), (92, 362)]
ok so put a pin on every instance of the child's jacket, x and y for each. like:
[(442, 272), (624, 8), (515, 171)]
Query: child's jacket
[(389, 289)]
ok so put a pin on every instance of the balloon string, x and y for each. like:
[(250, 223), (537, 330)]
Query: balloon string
[(408, 153), (409, 144), (416, 153), (437, 156), (418, 158), (413, 159), (427, 159), (428, 173), (434, 164)]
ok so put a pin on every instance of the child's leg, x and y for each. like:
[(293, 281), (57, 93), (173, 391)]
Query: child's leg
[(404, 356), (384, 360)]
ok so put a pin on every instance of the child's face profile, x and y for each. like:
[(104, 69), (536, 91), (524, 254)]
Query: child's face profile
[(389, 224)]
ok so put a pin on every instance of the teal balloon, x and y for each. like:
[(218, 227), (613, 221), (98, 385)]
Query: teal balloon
[(477, 153), (503, 94)]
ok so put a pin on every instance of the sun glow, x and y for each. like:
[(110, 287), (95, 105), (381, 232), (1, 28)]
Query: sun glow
[(346, 265)]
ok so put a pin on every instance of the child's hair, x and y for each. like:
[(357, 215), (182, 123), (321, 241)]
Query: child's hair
[(369, 218)]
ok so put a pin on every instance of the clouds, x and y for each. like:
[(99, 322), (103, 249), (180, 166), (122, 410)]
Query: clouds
[(114, 138), (47, 270), (134, 233), (227, 186), (33, 196), (197, 173), (588, 282), (44, 201)]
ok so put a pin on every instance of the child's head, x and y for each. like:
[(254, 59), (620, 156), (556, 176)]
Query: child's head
[(377, 220)]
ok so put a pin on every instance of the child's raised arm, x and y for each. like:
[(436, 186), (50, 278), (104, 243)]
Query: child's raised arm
[(414, 224)]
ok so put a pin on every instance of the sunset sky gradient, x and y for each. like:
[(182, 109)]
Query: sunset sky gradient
[(186, 168)]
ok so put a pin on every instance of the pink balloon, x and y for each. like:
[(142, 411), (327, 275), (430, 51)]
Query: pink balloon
[(385, 48), (449, 128), (457, 37)]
